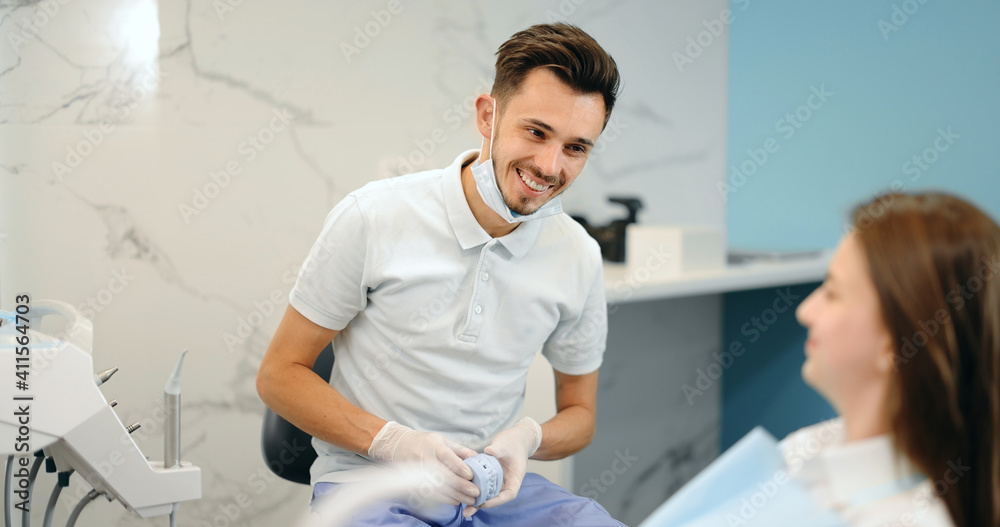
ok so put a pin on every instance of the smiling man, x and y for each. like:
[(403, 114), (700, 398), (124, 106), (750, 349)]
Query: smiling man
[(438, 288), (536, 152)]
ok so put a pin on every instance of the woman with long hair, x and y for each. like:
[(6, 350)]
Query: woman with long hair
[(904, 342)]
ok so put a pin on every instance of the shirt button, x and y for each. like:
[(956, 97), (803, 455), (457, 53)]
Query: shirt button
[(479, 309), (486, 276)]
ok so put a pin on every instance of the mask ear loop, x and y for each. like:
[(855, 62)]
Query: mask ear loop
[(493, 128)]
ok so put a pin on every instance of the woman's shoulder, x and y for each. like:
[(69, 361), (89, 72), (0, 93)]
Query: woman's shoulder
[(817, 455), (917, 507)]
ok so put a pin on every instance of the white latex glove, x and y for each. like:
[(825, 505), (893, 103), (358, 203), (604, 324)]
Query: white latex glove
[(434, 453), (512, 448)]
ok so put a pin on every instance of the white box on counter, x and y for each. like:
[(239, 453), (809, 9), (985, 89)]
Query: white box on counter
[(663, 252)]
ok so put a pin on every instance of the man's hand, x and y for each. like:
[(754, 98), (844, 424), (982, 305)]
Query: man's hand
[(435, 453), (512, 448)]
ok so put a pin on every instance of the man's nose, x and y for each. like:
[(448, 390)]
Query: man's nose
[(549, 160)]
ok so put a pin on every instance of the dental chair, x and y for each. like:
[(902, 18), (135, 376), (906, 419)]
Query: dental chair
[(287, 450)]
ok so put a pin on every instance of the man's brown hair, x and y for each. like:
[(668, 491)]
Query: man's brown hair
[(566, 50)]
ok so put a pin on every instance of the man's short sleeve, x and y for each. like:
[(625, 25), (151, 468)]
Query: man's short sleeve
[(331, 287), (576, 347)]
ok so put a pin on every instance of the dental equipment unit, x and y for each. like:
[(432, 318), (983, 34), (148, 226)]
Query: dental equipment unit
[(51, 408)]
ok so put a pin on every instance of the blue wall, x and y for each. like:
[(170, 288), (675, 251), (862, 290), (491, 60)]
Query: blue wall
[(888, 90), (764, 386), (940, 69)]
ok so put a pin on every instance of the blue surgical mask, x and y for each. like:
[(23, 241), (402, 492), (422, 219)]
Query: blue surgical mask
[(486, 183)]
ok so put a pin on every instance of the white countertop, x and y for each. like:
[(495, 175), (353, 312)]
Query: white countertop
[(622, 287)]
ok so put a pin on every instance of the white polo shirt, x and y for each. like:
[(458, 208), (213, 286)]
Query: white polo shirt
[(438, 321)]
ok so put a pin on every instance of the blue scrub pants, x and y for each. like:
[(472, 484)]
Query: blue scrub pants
[(539, 503)]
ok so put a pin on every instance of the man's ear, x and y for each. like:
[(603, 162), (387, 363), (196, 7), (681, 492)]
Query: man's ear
[(484, 115)]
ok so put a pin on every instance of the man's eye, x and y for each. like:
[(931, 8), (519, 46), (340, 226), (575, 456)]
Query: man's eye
[(535, 132)]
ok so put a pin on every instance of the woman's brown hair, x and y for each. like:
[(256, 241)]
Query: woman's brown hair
[(935, 262), (568, 51)]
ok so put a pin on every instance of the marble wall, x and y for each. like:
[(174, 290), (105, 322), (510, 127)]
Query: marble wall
[(653, 434), (166, 166)]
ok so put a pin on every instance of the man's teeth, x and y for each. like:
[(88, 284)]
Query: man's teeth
[(531, 184)]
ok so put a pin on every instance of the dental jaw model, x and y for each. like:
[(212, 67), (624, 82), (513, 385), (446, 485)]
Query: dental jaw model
[(487, 475)]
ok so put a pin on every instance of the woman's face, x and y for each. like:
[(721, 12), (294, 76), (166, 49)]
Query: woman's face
[(849, 352)]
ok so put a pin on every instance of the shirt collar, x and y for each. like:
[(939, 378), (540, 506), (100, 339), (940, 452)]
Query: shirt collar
[(467, 230), (857, 468)]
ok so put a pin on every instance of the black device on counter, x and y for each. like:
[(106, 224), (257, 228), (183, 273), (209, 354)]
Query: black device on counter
[(611, 238)]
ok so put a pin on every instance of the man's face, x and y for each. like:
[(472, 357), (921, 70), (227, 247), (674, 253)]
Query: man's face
[(543, 139)]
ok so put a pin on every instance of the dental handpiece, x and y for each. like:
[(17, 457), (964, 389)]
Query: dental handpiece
[(172, 427)]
